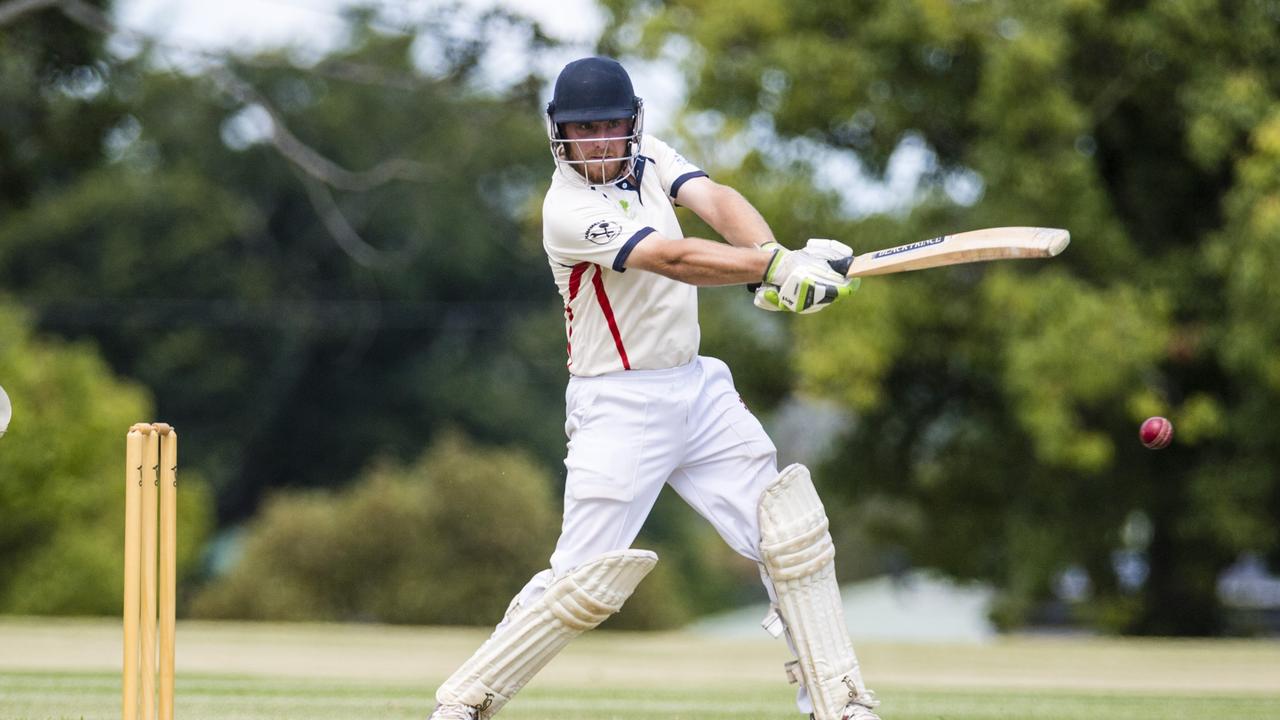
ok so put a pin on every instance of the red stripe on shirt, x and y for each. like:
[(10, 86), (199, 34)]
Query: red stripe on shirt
[(597, 281), (575, 282)]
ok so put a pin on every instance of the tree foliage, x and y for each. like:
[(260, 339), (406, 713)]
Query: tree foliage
[(228, 236), (62, 476), (312, 265), (413, 543), (997, 406)]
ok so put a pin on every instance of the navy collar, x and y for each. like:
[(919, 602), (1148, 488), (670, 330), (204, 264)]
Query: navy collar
[(637, 173)]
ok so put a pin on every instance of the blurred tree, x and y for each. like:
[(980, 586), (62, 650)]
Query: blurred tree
[(997, 406), (62, 477), (292, 316), (402, 544), (311, 264), (54, 115)]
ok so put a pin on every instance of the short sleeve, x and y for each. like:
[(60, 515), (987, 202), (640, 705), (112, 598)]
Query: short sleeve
[(672, 167), (585, 227)]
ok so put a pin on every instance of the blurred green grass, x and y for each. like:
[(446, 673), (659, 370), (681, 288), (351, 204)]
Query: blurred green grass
[(90, 696), (55, 669)]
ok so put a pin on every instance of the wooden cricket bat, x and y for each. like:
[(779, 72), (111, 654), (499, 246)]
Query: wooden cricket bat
[(1000, 243)]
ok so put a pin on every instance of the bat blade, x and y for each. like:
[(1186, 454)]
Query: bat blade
[(1002, 243)]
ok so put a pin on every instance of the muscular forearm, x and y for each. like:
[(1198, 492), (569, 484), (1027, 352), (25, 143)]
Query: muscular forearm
[(700, 262)]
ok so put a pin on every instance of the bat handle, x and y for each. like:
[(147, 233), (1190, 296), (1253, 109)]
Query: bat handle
[(842, 265)]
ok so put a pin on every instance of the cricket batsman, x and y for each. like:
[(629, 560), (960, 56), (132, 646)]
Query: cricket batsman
[(643, 409)]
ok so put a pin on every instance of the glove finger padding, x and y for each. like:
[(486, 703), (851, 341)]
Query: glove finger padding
[(838, 255), (766, 298), (809, 290), (828, 249)]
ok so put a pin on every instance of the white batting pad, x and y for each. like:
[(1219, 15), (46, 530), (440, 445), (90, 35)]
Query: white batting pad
[(533, 634), (799, 558)]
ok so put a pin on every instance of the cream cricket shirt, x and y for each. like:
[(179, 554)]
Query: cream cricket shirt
[(619, 319)]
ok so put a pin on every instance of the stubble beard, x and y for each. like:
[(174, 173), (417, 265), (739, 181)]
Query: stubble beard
[(599, 171)]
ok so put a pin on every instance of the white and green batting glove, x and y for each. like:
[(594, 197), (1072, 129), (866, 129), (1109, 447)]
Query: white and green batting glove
[(805, 281)]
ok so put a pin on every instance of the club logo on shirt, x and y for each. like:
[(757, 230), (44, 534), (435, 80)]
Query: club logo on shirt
[(602, 232)]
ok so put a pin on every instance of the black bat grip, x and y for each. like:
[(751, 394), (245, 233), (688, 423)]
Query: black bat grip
[(842, 265)]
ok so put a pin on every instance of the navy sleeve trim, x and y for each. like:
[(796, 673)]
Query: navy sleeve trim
[(675, 186), (620, 260)]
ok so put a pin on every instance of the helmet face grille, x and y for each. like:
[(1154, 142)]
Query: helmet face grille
[(562, 151)]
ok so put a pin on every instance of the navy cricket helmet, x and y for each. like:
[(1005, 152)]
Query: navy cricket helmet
[(588, 90), (593, 88)]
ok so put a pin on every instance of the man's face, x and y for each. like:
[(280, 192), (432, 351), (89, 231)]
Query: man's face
[(604, 142)]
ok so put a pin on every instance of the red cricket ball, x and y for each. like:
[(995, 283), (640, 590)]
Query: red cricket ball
[(1156, 432)]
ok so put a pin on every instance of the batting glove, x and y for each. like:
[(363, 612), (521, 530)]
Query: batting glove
[(808, 280)]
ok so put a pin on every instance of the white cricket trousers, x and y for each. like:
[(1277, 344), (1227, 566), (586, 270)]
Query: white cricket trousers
[(632, 432)]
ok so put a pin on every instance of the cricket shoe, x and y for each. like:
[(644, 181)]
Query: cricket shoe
[(454, 712), (860, 708)]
